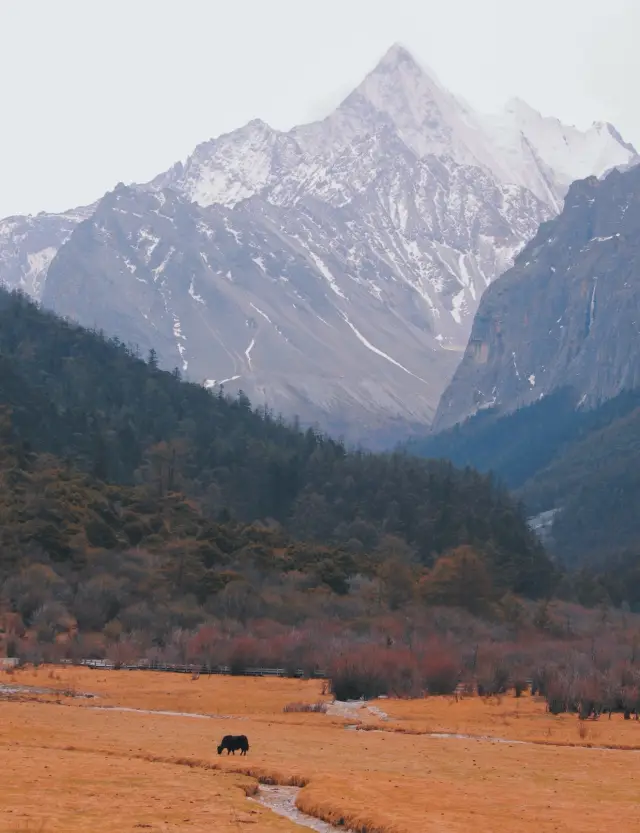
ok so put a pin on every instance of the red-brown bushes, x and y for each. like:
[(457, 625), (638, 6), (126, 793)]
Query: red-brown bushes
[(368, 671), (265, 645), (124, 652), (440, 668), (207, 646), (248, 652)]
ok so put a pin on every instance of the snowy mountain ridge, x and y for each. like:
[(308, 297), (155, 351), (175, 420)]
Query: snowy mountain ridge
[(331, 271), (518, 147)]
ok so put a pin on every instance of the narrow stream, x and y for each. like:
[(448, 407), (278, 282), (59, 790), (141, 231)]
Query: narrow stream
[(282, 800), (347, 709), (344, 709), (166, 713)]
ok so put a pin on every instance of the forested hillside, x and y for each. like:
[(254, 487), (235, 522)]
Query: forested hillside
[(89, 400), (129, 497), (554, 455), (515, 446)]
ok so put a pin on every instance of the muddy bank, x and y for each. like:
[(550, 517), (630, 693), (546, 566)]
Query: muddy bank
[(282, 800), (13, 690), (351, 709)]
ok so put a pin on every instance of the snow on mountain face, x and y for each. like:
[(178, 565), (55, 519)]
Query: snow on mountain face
[(29, 244), (233, 167), (343, 314), (398, 94), (565, 316), (570, 153), (519, 147), (332, 271)]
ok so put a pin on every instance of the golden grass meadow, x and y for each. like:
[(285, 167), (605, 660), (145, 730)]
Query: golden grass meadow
[(73, 764)]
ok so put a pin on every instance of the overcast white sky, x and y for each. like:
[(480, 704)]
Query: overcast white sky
[(99, 91)]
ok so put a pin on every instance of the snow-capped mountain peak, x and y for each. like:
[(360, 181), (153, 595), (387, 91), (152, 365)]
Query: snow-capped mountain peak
[(569, 152), (394, 56), (523, 112), (398, 93), (232, 167), (517, 147), (332, 271), (427, 117)]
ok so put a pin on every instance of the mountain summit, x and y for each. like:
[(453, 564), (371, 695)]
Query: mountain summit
[(399, 94), (331, 271)]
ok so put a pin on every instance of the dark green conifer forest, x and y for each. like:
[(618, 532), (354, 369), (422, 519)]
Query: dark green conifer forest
[(135, 506)]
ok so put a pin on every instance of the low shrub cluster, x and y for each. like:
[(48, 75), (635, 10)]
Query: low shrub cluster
[(580, 661), (306, 708), (369, 670), (590, 691)]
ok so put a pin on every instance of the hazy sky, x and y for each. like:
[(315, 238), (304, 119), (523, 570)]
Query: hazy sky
[(99, 91)]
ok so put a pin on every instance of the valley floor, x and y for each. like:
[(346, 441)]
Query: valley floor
[(114, 762)]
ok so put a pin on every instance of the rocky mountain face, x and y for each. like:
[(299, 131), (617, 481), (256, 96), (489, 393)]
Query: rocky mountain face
[(331, 271), (566, 316), (29, 244)]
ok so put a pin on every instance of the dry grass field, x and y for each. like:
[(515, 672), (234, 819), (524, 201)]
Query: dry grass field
[(69, 767), (523, 719), (173, 692)]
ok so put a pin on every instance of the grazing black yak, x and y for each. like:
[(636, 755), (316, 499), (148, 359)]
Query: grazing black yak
[(233, 742)]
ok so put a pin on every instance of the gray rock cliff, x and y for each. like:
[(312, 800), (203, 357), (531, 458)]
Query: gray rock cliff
[(566, 315)]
